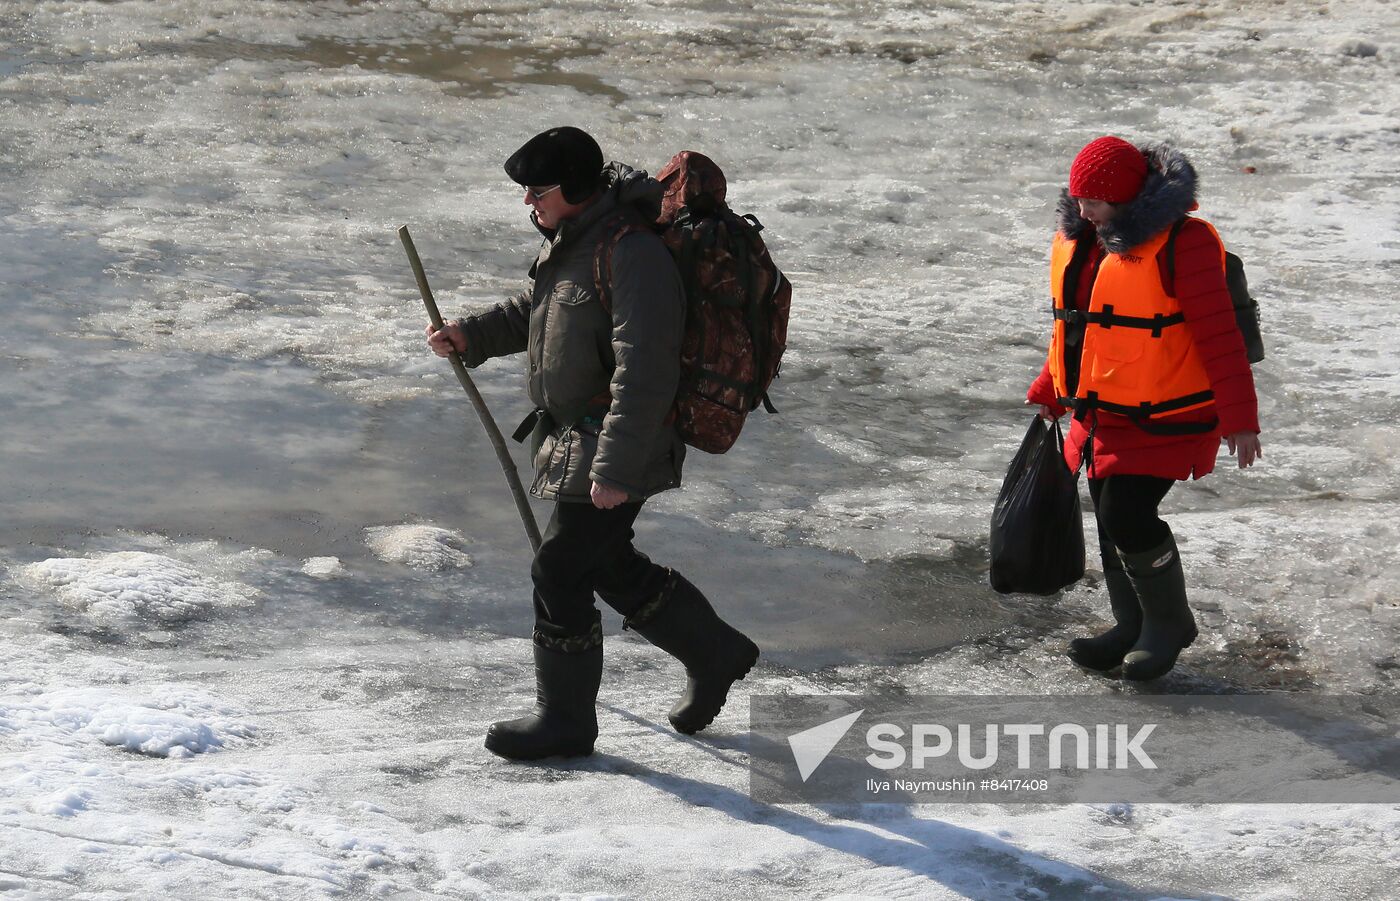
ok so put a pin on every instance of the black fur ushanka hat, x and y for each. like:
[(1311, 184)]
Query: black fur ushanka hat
[(564, 156)]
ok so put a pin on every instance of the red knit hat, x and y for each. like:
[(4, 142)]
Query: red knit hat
[(1108, 169)]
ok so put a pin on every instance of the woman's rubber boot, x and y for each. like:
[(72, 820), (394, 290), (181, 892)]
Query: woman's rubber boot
[(681, 622), (1167, 624), (1105, 652), (564, 722)]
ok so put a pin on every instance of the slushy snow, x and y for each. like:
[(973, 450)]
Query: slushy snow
[(134, 586), (323, 567), (418, 546)]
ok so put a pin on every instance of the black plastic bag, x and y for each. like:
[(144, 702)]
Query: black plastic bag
[(1037, 527)]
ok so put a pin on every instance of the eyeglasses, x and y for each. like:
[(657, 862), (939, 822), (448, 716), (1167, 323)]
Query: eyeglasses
[(538, 194)]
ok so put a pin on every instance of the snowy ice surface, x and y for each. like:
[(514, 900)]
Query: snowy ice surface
[(134, 585), (349, 761), (222, 674), (422, 547)]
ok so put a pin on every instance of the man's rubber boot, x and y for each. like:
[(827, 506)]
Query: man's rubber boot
[(1105, 652), (564, 722), (681, 622), (1167, 624)]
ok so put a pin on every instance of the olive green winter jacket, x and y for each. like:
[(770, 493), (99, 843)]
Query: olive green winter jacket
[(577, 353)]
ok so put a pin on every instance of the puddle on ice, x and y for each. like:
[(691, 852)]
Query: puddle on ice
[(467, 69)]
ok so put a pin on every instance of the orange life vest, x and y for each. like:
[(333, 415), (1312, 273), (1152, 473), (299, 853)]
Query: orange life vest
[(1137, 356)]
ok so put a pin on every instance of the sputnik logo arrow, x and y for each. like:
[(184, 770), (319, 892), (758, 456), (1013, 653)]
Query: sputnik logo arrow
[(810, 746)]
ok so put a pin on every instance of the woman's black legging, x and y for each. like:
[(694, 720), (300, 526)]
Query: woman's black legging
[(1126, 509)]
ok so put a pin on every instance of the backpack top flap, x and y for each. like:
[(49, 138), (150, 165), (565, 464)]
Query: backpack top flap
[(691, 180)]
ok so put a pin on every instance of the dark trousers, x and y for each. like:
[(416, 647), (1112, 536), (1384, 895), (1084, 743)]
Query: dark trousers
[(586, 550), (1126, 509)]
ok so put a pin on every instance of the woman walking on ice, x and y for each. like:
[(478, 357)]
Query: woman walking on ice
[(1147, 355)]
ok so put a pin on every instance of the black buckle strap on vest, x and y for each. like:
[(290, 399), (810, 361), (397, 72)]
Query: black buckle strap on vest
[(1177, 428), (1140, 414), (1156, 324)]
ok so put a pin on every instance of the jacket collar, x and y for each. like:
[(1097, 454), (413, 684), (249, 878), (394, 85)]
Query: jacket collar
[(1168, 194)]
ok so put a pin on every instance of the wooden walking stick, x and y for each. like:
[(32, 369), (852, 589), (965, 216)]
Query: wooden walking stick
[(492, 431)]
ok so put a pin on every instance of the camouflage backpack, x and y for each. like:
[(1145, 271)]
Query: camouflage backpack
[(737, 302)]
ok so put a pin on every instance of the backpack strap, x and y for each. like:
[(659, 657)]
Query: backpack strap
[(620, 226), (1171, 255)]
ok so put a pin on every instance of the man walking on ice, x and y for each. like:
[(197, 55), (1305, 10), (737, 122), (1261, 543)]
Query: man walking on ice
[(603, 378)]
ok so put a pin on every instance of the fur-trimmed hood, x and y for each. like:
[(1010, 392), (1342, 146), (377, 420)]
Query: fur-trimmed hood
[(1168, 193)]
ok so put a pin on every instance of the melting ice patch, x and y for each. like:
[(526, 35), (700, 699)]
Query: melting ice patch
[(156, 733), (421, 547), (166, 722), (63, 803), (135, 585), (323, 567)]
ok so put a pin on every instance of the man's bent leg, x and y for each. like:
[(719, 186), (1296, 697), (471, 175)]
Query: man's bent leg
[(680, 621), (664, 608)]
